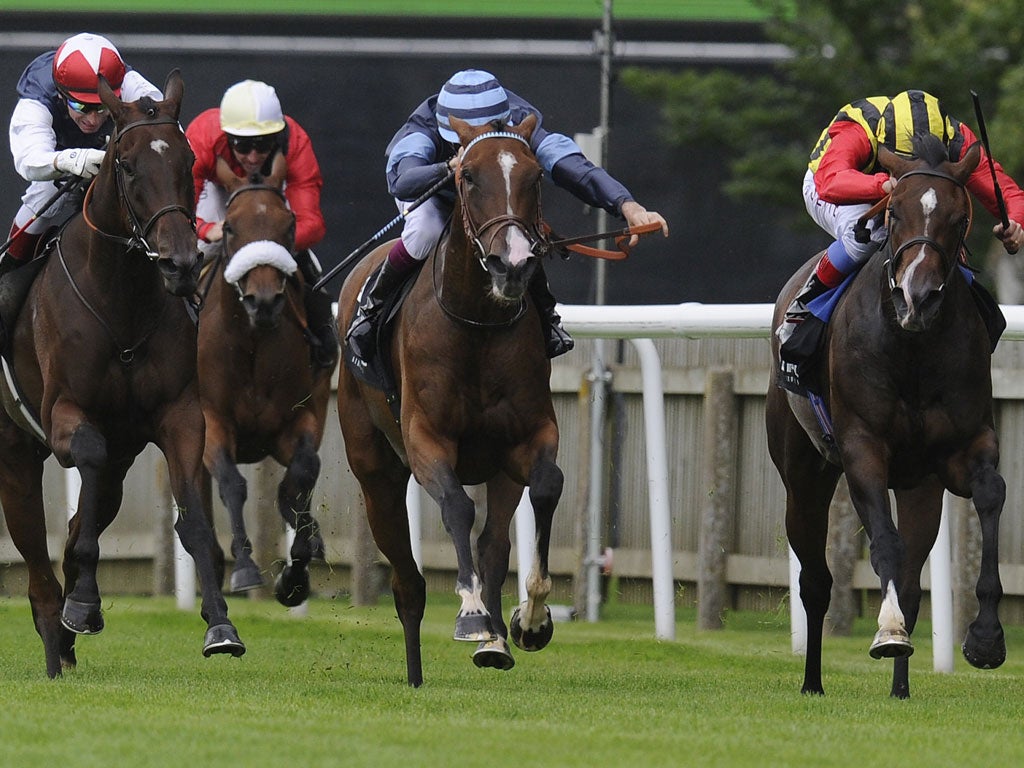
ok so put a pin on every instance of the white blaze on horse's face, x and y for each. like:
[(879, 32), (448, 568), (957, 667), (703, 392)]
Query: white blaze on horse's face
[(515, 239), (159, 146), (929, 202)]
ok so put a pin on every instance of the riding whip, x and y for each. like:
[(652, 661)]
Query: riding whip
[(380, 232), (991, 163), (61, 191)]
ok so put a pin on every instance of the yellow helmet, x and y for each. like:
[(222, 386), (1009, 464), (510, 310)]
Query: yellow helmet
[(251, 108)]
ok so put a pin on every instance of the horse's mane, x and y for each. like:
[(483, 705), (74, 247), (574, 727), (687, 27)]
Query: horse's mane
[(930, 148)]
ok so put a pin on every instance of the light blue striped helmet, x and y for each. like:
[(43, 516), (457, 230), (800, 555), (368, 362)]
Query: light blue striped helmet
[(471, 95)]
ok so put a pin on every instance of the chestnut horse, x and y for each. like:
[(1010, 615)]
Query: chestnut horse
[(469, 358), (907, 381), (104, 355), (259, 394)]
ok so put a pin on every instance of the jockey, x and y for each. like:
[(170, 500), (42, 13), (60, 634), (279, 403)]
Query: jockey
[(843, 181), (59, 127), (247, 131), (421, 153)]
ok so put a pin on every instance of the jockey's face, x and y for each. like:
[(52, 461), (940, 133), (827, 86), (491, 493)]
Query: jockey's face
[(252, 152), (91, 119), (251, 161)]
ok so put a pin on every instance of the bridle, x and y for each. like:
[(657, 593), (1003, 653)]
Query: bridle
[(890, 262), (139, 232), (497, 224)]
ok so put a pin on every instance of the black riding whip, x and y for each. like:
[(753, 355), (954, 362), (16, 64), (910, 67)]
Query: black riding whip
[(991, 163), (380, 232), (61, 191)]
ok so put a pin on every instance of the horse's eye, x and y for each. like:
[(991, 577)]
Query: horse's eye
[(467, 176), (226, 229)]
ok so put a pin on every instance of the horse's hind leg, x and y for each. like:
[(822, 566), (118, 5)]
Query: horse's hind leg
[(21, 479), (810, 484), (532, 627), (233, 490), (294, 497), (984, 646)]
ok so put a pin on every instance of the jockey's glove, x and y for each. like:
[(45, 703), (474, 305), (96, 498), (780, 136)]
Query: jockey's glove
[(79, 161)]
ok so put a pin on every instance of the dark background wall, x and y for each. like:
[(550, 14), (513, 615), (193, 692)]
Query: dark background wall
[(351, 103)]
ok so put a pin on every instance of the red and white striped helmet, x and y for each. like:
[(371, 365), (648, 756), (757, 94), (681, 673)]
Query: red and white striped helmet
[(80, 61)]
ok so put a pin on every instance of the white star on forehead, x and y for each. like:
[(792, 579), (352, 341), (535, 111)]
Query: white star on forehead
[(91, 51)]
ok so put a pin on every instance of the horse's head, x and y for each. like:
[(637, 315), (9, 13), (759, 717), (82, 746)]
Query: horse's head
[(259, 241), (499, 198), (151, 163), (928, 218)]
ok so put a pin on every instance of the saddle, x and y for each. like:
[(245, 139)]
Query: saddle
[(377, 371)]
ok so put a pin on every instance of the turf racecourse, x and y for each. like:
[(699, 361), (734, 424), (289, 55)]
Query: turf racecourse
[(328, 690)]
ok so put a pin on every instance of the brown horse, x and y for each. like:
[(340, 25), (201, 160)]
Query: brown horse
[(907, 381), (470, 360), (259, 394), (104, 352)]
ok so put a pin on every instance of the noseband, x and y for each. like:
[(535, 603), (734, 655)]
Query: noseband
[(498, 223), (890, 263), (137, 240)]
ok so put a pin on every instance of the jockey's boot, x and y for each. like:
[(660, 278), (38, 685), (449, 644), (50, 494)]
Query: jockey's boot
[(319, 314), (556, 339), (798, 311), (362, 332), (20, 251)]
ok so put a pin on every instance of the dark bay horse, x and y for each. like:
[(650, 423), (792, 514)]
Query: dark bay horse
[(104, 352), (907, 381), (259, 394), (473, 375)]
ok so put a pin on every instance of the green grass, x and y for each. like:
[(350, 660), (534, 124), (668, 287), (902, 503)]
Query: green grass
[(328, 690), (720, 10)]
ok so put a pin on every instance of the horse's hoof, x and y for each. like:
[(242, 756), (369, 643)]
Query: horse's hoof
[(245, 578), (292, 586), (317, 551), (494, 654), (222, 638), (984, 654), (82, 618), (530, 640), (891, 644), (474, 628)]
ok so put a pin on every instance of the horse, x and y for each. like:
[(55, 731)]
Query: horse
[(259, 394), (104, 356), (906, 380), (475, 402)]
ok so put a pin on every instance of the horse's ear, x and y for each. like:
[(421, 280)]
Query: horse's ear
[(464, 130), (278, 171), (527, 127), (225, 176), (174, 90), (892, 162), (968, 163), (107, 96)]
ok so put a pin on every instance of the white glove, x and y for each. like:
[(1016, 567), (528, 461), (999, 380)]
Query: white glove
[(79, 161)]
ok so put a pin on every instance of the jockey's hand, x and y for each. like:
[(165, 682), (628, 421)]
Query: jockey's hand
[(79, 161), (1012, 237), (636, 215)]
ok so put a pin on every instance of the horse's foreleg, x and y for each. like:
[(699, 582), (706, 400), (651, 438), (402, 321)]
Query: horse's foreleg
[(294, 496), (181, 440), (984, 646), (532, 627), (919, 512), (234, 491), (867, 477), (458, 512), (82, 614)]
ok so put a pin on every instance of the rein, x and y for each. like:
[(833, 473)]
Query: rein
[(137, 239)]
